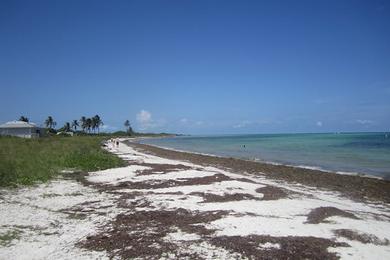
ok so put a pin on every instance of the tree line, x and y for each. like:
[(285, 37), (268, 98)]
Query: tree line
[(86, 124)]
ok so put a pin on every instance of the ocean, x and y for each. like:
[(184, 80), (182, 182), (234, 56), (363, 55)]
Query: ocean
[(348, 153)]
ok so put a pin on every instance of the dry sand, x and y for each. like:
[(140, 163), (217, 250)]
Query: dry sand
[(164, 208)]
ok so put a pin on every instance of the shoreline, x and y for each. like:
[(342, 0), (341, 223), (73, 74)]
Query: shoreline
[(227, 213), (357, 187), (308, 167), (191, 207)]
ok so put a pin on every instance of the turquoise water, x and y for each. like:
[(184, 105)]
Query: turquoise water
[(364, 153)]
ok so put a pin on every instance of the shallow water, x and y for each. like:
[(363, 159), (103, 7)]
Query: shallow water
[(363, 153)]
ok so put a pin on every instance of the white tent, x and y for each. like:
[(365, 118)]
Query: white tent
[(21, 129)]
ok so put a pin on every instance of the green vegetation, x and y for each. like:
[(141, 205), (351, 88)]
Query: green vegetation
[(89, 124), (24, 119), (129, 129), (75, 124), (50, 123), (25, 161)]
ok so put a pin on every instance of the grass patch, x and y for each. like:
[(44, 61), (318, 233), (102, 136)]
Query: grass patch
[(26, 161)]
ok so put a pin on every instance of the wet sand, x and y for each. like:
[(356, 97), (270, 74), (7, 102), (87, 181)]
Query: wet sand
[(355, 187)]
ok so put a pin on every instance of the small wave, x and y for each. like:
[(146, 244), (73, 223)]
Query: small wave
[(309, 167), (317, 168)]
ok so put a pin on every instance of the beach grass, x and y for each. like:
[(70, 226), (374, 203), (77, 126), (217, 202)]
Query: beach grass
[(27, 161)]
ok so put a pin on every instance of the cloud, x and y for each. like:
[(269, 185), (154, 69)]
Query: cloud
[(146, 121), (144, 117), (184, 120), (109, 128), (199, 123), (256, 123), (242, 124), (364, 121), (319, 123)]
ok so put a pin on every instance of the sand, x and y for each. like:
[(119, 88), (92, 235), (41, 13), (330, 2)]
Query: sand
[(166, 208)]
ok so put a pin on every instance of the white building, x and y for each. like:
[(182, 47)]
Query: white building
[(21, 129)]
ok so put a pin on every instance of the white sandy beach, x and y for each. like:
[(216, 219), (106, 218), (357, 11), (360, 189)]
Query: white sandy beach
[(46, 221)]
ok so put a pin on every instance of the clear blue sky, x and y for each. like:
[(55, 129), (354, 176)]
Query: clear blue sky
[(199, 67)]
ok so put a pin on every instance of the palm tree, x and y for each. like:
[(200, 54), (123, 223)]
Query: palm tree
[(67, 127), (75, 124), (50, 123), (24, 119), (128, 127), (88, 124), (96, 122), (83, 123)]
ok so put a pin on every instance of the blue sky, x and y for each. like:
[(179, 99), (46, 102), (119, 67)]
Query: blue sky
[(199, 67)]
